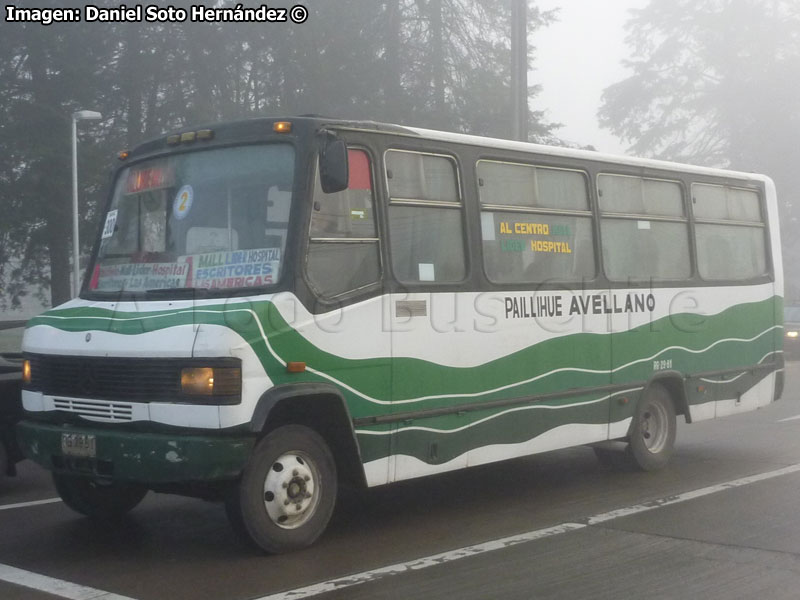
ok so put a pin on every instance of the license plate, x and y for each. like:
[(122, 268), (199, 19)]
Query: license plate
[(79, 444)]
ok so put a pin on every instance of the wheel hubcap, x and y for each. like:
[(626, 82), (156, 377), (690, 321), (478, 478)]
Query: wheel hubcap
[(291, 490), (653, 427)]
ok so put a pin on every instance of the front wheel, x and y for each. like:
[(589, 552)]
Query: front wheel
[(652, 434), (98, 499), (287, 491)]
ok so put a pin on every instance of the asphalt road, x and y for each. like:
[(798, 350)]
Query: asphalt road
[(720, 522)]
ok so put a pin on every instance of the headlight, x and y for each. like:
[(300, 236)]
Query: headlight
[(26, 372), (211, 381), (791, 334)]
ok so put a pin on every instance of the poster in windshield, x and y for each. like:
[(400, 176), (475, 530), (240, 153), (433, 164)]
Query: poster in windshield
[(214, 270)]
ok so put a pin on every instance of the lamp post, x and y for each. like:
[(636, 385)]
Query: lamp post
[(519, 69), (81, 115)]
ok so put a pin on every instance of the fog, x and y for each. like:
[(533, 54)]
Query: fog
[(712, 82)]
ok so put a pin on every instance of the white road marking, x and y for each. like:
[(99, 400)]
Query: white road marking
[(32, 503), (794, 418), (468, 551), (56, 587), (72, 591), (422, 563), (706, 491)]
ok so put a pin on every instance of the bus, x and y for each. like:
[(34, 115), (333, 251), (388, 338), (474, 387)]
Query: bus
[(275, 308)]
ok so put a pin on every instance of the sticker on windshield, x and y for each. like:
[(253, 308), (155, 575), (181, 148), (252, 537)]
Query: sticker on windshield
[(237, 269), (111, 223), (183, 202), (136, 277)]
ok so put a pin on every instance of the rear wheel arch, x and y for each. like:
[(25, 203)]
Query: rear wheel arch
[(675, 385), (322, 408)]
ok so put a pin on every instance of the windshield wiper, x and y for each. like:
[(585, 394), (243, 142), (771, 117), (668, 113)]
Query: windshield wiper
[(177, 290), (111, 296)]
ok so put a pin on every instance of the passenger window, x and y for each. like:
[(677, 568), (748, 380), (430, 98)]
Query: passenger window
[(512, 184), (425, 217), (645, 233), (731, 236), (725, 203), (635, 195), (416, 176), (343, 252), (641, 250), (535, 223)]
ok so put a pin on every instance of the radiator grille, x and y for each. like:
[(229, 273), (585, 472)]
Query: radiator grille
[(136, 380), (96, 409)]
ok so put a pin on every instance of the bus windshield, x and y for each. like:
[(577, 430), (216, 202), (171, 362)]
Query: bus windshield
[(213, 219)]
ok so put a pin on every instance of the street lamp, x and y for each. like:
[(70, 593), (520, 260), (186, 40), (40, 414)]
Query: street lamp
[(81, 115), (519, 69)]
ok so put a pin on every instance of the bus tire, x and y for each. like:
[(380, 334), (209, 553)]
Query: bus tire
[(652, 435), (287, 491), (96, 499)]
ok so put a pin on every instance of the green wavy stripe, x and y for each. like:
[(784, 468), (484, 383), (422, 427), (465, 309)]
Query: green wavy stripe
[(456, 434), (702, 390), (509, 426), (534, 370)]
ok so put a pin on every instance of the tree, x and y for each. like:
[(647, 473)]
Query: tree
[(447, 65), (434, 63), (46, 75), (715, 82)]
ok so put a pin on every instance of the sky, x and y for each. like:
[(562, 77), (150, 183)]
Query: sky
[(575, 59)]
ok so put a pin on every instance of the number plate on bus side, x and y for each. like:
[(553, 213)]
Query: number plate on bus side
[(83, 445)]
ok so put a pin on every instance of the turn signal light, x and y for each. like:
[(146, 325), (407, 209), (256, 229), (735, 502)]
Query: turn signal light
[(26, 371), (282, 127)]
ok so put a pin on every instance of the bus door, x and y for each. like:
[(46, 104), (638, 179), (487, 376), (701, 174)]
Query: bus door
[(343, 268), (433, 345)]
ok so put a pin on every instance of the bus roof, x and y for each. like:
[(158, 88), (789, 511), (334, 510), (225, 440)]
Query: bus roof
[(264, 125), (581, 154)]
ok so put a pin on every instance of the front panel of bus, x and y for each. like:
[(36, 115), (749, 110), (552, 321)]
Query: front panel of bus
[(153, 373)]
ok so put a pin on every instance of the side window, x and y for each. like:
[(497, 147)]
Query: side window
[(425, 217), (644, 229), (343, 247), (535, 223), (731, 237)]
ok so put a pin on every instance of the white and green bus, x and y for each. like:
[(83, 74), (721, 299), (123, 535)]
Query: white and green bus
[(275, 308)]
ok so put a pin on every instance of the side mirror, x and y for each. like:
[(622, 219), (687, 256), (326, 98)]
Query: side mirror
[(334, 173)]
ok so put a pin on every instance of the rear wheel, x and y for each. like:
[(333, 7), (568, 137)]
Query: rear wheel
[(287, 491), (98, 499), (652, 434)]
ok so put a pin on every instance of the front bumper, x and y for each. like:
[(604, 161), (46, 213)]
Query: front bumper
[(132, 456)]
